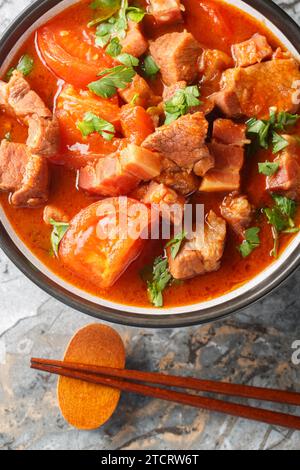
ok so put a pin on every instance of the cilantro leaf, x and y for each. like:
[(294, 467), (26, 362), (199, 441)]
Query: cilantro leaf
[(268, 168), (93, 123), (287, 206), (259, 130), (279, 143), (181, 102), (251, 242), (176, 243), (25, 66), (280, 217), (107, 8), (58, 232), (135, 14), (149, 67), (128, 60), (116, 77), (114, 48), (161, 278), (285, 120)]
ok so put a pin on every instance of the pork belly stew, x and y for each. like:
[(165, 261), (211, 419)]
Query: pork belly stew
[(150, 151)]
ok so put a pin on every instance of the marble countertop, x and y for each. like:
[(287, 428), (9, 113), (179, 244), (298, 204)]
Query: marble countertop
[(254, 347)]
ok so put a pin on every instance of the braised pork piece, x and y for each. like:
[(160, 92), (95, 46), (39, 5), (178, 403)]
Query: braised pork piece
[(172, 104)]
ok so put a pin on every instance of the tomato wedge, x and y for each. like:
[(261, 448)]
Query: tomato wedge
[(71, 55), (71, 106), (98, 247)]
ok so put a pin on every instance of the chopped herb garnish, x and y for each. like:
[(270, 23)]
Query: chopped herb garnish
[(149, 67), (114, 48), (281, 218), (117, 25), (135, 14), (176, 243), (58, 232), (107, 8), (263, 133), (93, 123), (8, 136), (285, 120), (259, 130), (116, 77), (251, 242), (268, 168), (128, 60), (161, 278), (181, 102), (25, 66), (279, 143)]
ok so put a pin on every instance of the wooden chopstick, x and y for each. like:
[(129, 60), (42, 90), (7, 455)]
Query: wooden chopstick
[(212, 404), (222, 388)]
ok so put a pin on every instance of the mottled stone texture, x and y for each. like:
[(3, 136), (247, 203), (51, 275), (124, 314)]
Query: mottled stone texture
[(252, 347)]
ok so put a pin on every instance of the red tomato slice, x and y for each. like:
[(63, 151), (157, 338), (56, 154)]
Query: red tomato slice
[(71, 106), (88, 253), (136, 123), (71, 55)]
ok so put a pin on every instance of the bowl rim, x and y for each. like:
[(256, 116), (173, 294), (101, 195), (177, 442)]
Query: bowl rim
[(16, 29)]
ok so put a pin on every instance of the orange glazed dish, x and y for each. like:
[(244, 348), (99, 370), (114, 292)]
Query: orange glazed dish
[(153, 104)]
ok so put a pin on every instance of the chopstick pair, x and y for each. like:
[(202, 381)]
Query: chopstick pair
[(128, 381)]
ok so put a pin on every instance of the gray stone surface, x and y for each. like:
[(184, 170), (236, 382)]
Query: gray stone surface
[(251, 347)]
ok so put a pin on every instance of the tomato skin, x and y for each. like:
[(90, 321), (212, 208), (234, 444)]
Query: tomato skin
[(136, 124), (71, 106), (70, 55), (98, 259)]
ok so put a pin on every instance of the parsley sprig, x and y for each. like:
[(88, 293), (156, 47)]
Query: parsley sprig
[(58, 232), (116, 77), (251, 242), (263, 133), (181, 102), (161, 278), (92, 123), (281, 218), (116, 26), (175, 243)]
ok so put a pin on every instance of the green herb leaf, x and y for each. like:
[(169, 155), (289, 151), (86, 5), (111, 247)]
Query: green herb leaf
[(58, 232), (25, 66), (176, 243), (116, 77), (149, 67), (285, 120), (107, 8), (268, 168), (8, 136), (135, 14), (259, 130), (93, 123), (181, 102), (161, 278), (279, 143), (276, 218), (251, 242), (287, 206), (128, 60), (280, 217), (114, 48), (263, 132)]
